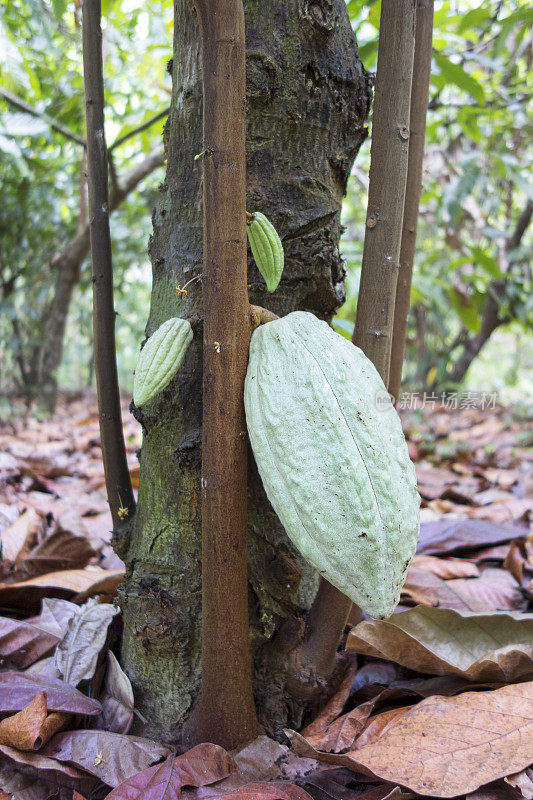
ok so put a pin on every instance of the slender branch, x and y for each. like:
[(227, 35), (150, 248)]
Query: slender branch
[(225, 714), (388, 175), (139, 129), (17, 102), (419, 104), (118, 483), (520, 228), (22, 105), (491, 318), (375, 308)]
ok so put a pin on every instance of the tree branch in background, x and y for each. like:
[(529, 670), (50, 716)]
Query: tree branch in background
[(68, 264), (419, 104), (118, 483), (379, 273), (139, 129), (491, 318), (22, 105), (17, 102), (225, 713)]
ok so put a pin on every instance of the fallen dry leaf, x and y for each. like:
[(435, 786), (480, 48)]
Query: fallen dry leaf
[(55, 615), (111, 757), (46, 769), (494, 590), (30, 785), (116, 699), (523, 781), (263, 760), (425, 588), (22, 643), (81, 583), (385, 792), (200, 766), (448, 746), (334, 707), (77, 654), (276, 790), (487, 647), (451, 536), (339, 783), (32, 727), (341, 733), (377, 725), (17, 690), (446, 568), (59, 551), (18, 539), (515, 559), (498, 790)]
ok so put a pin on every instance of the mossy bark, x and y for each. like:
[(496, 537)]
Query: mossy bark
[(308, 98)]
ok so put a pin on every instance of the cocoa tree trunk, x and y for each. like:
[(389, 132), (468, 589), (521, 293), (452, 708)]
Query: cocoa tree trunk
[(307, 101)]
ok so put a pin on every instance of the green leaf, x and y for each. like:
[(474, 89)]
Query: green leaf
[(489, 263), (474, 18), (466, 313), (454, 73), (60, 6)]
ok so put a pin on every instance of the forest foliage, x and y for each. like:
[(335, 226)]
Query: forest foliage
[(471, 277)]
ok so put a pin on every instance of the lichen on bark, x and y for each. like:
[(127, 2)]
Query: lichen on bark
[(307, 102)]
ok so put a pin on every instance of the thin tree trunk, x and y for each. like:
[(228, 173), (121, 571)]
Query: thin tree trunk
[(117, 476), (307, 100), (68, 264), (225, 713), (419, 104), (388, 176), (379, 272)]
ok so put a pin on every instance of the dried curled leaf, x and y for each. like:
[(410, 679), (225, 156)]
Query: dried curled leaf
[(447, 746), (160, 359), (77, 654), (440, 641)]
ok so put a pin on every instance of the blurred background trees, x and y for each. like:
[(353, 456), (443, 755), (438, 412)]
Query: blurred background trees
[(472, 305), (472, 272)]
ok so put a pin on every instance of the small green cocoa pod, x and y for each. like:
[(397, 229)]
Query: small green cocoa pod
[(332, 457), (160, 358), (267, 249)]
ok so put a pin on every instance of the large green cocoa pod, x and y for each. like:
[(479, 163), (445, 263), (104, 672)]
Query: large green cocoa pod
[(266, 248), (332, 457), (160, 358)]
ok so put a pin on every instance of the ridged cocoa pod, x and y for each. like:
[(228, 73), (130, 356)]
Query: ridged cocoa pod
[(160, 359), (267, 249), (332, 457)]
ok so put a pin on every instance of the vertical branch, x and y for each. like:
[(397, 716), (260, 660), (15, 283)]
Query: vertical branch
[(379, 272), (225, 713), (388, 174), (118, 483), (419, 104)]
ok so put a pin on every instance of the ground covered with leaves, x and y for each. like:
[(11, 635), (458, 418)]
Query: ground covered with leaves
[(437, 701)]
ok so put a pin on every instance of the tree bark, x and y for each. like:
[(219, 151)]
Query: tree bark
[(388, 175), (307, 101), (225, 714), (68, 264), (117, 476), (375, 306), (413, 188)]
